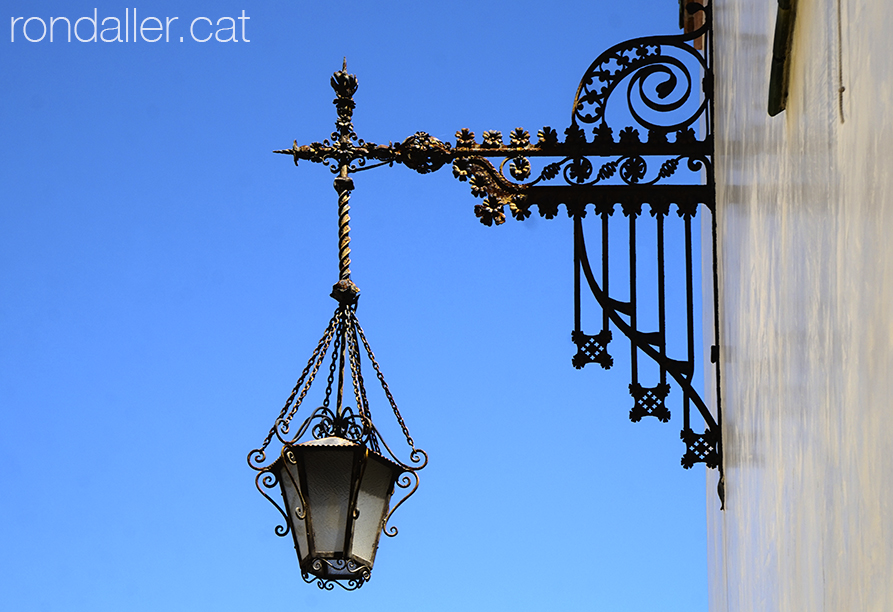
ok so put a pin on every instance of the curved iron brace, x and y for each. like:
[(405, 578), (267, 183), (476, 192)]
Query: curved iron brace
[(267, 479)]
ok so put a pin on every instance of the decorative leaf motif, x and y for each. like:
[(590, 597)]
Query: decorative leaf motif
[(687, 209), (660, 206), (547, 136), (574, 134), (490, 212), (633, 169), (460, 169), (520, 210), (484, 214), (520, 168), (465, 139), (628, 135), (631, 208), (421, 152), (344, 84), (656, 136), (575, 211), (579, 170), (478, 186), (685, 136), (492, 139), (603, 133), (668, 168), (519, 137), (548, 210)]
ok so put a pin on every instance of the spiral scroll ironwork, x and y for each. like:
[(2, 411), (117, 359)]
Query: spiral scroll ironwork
[(639, 60), (359, 574)]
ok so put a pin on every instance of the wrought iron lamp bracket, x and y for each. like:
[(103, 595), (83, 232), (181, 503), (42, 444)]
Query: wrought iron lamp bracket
[(662, 157)]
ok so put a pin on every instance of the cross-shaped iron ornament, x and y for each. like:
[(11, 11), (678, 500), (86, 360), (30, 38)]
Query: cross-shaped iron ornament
[(591, 173)]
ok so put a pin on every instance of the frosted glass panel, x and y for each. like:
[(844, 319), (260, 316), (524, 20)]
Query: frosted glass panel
[(372, 503), (328, 493), (290, 483)]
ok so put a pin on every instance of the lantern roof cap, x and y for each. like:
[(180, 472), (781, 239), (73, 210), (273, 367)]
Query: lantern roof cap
[(329, 441), (336, 441)]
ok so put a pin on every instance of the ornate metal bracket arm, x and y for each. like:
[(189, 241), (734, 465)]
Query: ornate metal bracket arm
[(646, 150)]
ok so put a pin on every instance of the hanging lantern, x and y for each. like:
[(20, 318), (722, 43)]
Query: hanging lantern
[(336, 487), (336, 494)]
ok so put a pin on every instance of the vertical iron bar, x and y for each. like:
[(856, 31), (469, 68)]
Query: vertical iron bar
[(634, 357), (715, 356), (605, 267), (690, 324), (708, 50), (661, 302), (577, 231)]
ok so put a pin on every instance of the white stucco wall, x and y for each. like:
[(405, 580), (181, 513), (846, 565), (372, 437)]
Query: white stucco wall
[(805, 204)]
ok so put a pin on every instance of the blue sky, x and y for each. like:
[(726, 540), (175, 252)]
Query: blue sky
[(164, 278)]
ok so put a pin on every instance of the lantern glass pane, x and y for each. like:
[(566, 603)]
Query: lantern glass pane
[(329, 473), (372, 503), (291, 485)]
